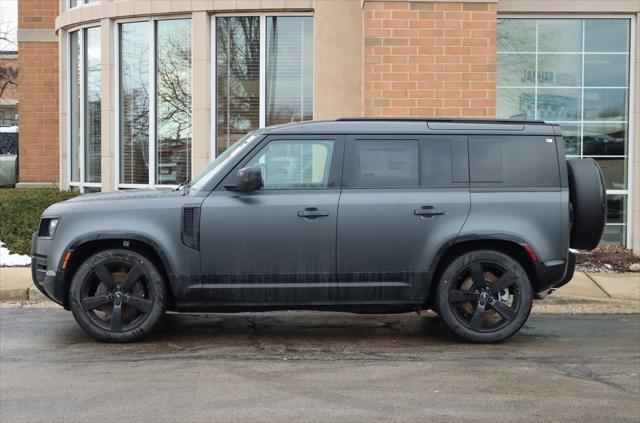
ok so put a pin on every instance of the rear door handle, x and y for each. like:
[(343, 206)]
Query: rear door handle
[(312, 213), (428, 211)]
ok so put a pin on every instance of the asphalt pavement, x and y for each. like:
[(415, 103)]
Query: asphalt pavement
[(325, 367)]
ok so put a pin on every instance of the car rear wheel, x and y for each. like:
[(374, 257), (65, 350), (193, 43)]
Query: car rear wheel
[(117, 295), (484, 296)]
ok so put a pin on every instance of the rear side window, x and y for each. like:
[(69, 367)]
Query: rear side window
[(513, 161), (443, 161), (382, 164)]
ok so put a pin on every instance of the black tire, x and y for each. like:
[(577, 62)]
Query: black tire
[(117, 295), (484, 296), (587, 194)]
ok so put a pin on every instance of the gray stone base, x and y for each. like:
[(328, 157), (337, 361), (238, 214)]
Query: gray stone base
[(36, 185)]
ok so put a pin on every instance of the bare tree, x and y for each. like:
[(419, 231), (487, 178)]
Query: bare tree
[(8, 68)]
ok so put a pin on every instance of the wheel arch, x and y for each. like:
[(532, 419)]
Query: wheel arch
[(511, 245), (88, 245)]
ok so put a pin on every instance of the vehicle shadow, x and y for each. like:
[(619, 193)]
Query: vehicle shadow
[(282, 335), (307, 332)]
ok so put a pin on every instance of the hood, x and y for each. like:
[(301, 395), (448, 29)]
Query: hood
[(124, 195), (108, 200)]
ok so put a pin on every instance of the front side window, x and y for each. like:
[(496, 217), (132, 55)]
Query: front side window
[(574, 72), (264, 73), (293, 164), (155, 102), (85, 109)]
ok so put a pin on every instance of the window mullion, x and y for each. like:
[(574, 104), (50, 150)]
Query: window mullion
[(535, 76), (214, 89), (581, 134), (69, 109), (263, 71), (152, 103), (82, 120)]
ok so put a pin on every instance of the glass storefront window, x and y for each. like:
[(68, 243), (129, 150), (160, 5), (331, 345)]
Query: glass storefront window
[(85, 108), (155, 102), (517, 35), (254, 87), (237, 79), (92, 105), (604, 139), (74, 106), (173, 104), (134, 103), (573, 72), (76, 3), (289, 69)]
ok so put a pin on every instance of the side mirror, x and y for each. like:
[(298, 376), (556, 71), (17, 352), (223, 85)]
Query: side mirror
[(248, 179)]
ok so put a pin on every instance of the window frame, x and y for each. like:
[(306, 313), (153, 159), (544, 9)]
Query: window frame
[(631, 100), (81, 185), (335, 169), (80, 3), (263, 67), (115, 33)]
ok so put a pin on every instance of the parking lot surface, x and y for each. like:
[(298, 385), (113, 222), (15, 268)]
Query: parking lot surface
[(307, 366)]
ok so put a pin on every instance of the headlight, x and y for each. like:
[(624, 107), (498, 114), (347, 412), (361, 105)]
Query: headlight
[(48, 227)]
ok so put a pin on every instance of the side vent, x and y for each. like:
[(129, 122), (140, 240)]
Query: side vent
[(190, 234)]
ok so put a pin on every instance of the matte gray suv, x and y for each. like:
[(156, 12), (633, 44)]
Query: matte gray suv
[(468, 218)]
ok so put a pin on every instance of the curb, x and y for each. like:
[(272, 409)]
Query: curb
[(29, 294), (14, 294)]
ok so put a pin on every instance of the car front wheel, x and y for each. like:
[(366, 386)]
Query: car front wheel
[(117, 295), (484, 296)]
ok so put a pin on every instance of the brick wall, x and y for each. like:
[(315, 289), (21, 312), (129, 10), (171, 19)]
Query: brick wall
[(429, 59), (38, 92)]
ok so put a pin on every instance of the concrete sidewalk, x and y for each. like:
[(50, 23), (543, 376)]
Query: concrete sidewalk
[(16, 285)]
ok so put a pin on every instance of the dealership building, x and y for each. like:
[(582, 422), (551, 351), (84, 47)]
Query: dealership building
[(122, 94)]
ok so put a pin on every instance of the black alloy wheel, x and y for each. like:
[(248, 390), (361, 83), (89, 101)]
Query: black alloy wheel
[(484, 296), (117, 295)]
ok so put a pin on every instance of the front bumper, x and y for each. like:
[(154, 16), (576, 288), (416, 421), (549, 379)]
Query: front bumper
[(45, 280)]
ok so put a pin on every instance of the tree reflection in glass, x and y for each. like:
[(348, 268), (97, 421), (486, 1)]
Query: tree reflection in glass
[(92, 106), (134, 103), (173, 101), (238, 78)]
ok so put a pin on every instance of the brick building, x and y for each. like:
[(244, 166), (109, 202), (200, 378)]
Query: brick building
[(119, 94)]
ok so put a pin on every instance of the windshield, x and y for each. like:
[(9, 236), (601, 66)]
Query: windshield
[(216, 164)]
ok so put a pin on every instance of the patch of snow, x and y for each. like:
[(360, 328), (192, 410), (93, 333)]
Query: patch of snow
[(8, 259)]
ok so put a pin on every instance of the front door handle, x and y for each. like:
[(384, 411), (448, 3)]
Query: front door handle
[(428, 211), (312, 213)]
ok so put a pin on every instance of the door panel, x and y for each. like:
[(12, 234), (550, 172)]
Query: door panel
[(257, 249), (387, 237), (276, 245)]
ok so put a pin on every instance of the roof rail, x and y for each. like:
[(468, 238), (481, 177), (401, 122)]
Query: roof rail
[(461, 120)]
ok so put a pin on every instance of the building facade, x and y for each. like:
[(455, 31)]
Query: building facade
[(119, 94)]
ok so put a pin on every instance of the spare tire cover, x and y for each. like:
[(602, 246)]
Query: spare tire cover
[(588, 202)]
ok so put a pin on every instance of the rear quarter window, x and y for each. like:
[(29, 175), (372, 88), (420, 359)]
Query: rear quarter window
[(513, 161)]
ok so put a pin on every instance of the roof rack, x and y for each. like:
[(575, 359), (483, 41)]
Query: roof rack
[(462, 120)]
